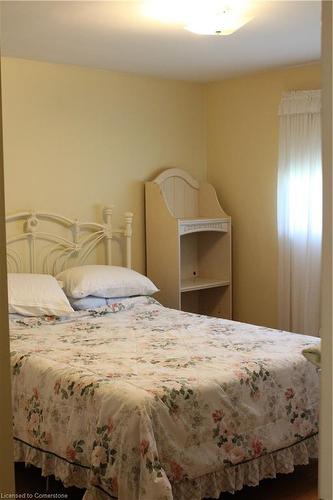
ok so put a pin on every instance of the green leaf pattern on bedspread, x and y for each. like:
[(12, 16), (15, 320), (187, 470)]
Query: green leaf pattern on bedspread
[(146, 396)]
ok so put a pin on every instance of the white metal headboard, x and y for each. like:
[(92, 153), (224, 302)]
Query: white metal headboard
[(73, 247)]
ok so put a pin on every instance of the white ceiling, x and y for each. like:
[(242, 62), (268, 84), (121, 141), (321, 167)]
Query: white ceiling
[(115, 35)]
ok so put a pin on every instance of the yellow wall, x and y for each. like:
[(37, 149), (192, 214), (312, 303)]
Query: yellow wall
[(76, 138), (242, 145)]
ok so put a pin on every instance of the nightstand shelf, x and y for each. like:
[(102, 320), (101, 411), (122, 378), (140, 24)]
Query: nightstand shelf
[(188, 238), (197, 283)]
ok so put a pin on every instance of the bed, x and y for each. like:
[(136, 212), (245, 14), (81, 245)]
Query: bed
[(137, 401)]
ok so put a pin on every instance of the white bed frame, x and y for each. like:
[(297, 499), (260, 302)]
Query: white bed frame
[(73, 247)]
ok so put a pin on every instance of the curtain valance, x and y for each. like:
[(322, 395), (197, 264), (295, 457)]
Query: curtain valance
[(300, 101)]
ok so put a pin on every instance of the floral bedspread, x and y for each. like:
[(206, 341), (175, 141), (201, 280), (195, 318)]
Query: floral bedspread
[(143, 397)]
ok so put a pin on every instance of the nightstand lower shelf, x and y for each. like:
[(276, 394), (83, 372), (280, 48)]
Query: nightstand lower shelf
[(199, 283)]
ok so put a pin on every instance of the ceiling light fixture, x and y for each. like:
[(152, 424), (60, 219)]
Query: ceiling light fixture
[(204, 17)]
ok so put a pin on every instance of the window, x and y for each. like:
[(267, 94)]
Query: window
[(300, 212)]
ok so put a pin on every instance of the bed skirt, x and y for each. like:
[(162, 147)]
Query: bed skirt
[(229, 479)]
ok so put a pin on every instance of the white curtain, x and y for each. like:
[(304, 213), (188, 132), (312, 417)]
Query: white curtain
[(300, 211)]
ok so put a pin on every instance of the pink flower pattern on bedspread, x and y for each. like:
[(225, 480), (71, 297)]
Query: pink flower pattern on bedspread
[(144, 396)]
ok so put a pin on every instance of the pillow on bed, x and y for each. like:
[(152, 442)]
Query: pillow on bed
[(36, 295), (91, 302), (105, 281)]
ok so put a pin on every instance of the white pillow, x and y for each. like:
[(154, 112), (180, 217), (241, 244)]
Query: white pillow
[(36, 295), (105, 281)]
